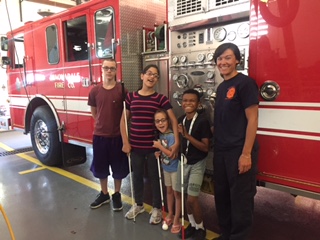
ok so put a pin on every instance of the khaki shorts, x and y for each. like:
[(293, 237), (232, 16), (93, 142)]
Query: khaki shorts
[(193, 177), (170, 179)]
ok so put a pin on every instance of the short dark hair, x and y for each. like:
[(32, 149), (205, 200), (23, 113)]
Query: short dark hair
[(146, 68), (161, 110), (192, 91), (223, 47), (109, 60)]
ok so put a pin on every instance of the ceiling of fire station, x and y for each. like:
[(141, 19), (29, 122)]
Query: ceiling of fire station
[(58, 3)]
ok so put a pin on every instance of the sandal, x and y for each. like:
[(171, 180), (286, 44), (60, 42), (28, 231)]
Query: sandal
[(176, 228), (168, 221)]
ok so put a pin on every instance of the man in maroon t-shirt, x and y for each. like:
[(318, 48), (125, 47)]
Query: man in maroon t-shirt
[(107, 142)]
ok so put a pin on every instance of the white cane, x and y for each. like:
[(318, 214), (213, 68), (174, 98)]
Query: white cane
[(164, 224), (182, 194), (129, 157)]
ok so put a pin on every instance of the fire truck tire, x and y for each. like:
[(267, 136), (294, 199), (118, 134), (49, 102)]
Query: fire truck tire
[(45, 137)]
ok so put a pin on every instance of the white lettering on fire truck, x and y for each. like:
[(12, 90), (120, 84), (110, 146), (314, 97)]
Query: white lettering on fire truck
[(59, 84), (71, 78)]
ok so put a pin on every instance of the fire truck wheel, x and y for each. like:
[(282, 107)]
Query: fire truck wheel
[(45, 137)]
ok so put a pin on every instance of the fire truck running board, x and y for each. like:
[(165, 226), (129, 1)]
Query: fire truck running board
[(291, 190)]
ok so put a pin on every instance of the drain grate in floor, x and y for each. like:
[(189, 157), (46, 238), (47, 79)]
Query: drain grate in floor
[(16, 151)]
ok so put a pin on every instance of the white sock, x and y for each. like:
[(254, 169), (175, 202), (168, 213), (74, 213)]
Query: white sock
[(199, 226), (191, 220)]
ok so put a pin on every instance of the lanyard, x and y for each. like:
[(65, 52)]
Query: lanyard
[(190, 129)]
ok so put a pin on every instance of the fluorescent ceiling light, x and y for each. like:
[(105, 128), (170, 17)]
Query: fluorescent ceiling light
[(67, 2)]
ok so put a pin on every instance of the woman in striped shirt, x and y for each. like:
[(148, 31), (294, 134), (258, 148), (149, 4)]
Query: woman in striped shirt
[(140, 109)]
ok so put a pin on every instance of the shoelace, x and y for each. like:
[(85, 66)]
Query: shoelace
[(155, 212)]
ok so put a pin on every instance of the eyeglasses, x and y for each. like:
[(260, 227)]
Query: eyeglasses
[(112, 69), (150, 74), (157, 121)]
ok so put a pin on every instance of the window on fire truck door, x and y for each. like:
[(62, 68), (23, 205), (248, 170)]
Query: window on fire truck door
[(76, 39), (18, 52), (104, 31), (52, 45)]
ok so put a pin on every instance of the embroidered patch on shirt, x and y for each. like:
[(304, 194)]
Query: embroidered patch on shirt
[(231, 92)]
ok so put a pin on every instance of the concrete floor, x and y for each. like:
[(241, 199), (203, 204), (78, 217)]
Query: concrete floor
[(53, 203)]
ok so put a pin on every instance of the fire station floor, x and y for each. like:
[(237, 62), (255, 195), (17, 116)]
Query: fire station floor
[(39, 202)]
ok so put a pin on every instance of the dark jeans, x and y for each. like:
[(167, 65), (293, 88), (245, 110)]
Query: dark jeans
[(138, 162), (234, 193)]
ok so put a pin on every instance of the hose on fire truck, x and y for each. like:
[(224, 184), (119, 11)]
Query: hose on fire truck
[(7, 222)]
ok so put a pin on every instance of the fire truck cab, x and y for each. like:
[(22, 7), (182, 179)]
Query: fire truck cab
[(53, 63)]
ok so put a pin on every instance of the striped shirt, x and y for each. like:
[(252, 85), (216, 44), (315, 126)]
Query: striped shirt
[(142, 110)]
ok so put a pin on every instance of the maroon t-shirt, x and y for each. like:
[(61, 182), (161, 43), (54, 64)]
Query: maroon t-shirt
[(109, 104)]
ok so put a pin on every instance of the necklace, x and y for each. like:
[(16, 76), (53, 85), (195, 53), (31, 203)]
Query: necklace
[(190, 129)]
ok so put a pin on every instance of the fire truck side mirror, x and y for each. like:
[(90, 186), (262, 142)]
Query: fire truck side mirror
[(5, 61), (4, 43)]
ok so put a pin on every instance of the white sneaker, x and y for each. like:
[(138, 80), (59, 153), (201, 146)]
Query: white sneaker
[(155, 216), (134, 211)]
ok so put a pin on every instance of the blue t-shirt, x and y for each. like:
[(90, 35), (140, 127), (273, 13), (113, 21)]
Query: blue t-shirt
[(168, 165)]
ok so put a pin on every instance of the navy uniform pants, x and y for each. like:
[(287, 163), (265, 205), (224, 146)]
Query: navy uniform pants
[(234, 193)]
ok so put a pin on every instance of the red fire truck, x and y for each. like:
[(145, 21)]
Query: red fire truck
[(60, 56), (53, 63), (278, 42)]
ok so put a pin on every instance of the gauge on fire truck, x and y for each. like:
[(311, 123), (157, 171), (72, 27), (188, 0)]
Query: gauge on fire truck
[(220, 34), (176, 95), (231, 36), (210, 91), (211, 94), (243, 30), (210, 74), (199, 88), (182, 81), (210, 56), (183, 59), (201, 57), (175, 59)]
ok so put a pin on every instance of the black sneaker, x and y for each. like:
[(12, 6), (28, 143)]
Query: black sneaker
[(199, 234), (100, 200), (188, 232), (116, 201)]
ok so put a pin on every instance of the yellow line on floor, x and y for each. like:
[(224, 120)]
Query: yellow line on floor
[(82, 180), (32, 170), (5, 147), (62, 172)]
